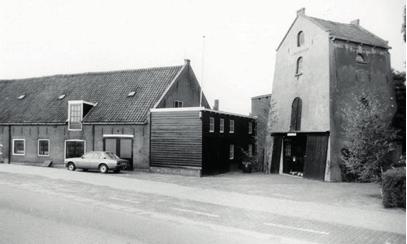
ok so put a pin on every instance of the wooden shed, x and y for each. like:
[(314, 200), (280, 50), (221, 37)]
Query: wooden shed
[(198, 141)]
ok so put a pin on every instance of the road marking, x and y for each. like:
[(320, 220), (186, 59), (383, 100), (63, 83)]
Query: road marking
[(297, 228), (124, 200), (196, 212)]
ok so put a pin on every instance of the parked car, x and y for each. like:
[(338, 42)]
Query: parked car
[(102, 161)]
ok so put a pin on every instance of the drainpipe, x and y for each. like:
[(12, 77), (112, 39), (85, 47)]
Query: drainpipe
[(9, 144)]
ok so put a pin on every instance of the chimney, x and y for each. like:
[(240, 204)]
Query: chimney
[(355, 22), (301, 12), (216, 105), (187, 61)]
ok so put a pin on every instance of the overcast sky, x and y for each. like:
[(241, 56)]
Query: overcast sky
[(46, 37)]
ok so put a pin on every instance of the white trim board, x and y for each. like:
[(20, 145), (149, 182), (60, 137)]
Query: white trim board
[(118, 136)]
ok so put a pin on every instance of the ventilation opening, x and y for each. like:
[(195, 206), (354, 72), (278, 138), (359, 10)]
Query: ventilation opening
[(60, 97), (131, 94), (21, 97)]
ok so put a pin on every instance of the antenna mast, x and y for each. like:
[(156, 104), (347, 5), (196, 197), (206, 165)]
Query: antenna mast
[(202, 70)]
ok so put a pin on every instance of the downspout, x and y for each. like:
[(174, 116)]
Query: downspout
[(9, 144), (93, 137)]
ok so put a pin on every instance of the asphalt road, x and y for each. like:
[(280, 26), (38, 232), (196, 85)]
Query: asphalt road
[(39, 209)]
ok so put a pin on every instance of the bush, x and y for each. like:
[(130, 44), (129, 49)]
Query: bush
[(394, 188)]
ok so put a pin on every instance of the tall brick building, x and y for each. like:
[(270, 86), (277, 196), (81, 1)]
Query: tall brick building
[(320, 67)]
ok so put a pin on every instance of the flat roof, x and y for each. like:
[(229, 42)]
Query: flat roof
[(153, 110), (262, 96)]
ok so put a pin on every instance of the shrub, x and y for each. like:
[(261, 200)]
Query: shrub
[(394, 188)]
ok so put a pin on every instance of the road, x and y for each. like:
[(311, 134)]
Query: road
[(39, 209)]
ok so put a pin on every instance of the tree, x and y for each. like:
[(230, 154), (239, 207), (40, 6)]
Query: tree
[(371, 136)]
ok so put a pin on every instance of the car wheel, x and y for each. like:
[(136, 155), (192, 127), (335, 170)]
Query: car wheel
[(103, 168), (71, 167)]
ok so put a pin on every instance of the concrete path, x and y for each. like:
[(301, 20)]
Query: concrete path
[(387, 221)]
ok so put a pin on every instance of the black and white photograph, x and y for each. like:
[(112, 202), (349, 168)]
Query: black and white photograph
[(203, 121)]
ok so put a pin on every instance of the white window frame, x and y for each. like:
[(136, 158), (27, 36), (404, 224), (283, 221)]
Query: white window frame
[(38, 148), (221, 125), (181, 103), (12, 148), (69, 114), (211, 124), (250, 150), (84, 146), (231, 126), (231, 151), (250, 127)]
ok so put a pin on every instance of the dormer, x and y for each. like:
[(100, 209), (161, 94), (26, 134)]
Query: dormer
[(77, 109)]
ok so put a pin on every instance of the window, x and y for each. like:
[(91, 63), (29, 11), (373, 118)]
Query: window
[(18, 147), (74, 148), (211, 124), (360, 58), (250, 128), (296, 109), (299, 66), (231, 126), (300, 39), (75, 116), (231, 151), (178, 104), (222, 125), (43, 147), (250, 150)]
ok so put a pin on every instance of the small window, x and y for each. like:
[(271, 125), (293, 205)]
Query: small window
[(178, 104), (360, 58), (43, 147), (231, 126), (250, 150), (21, 97), (299, 66), (250, 128), (131, 94), (60, 97), (75, 116), (300, 39), (211, 124), (222, 125), (18, 147), (231, 151)]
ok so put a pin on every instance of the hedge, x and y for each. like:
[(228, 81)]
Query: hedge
[(394, 188)]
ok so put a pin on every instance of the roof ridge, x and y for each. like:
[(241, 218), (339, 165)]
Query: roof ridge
[(93, 73)]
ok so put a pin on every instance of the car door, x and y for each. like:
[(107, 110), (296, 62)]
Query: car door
[(85, 161)]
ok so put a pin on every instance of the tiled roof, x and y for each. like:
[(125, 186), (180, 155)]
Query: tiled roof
[(108, 89), (349, 32)]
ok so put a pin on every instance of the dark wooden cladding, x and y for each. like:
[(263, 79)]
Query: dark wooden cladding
[(176, 139), (315, 161)]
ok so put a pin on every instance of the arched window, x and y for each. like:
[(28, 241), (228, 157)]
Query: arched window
[(300, 39), (296, 110), (360, 58), (298, 70)]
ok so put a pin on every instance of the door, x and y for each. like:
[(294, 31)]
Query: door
[(315, 162), (294, 148), (122, 147)]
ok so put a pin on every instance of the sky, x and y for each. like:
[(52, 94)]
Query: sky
[(234, 62)]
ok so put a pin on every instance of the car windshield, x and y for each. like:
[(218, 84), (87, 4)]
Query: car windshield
[(112, 155)]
